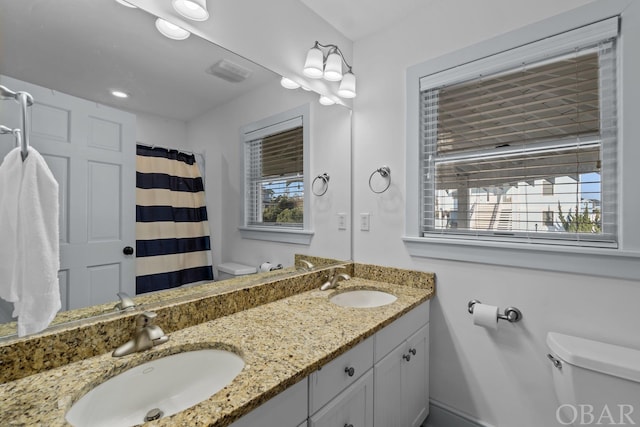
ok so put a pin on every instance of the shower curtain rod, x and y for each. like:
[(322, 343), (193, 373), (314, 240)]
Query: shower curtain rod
[(169, 149)]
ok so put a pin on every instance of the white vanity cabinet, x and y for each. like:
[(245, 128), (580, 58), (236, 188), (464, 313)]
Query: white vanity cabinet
[(341, 392), (401, 375), (288, 409), (353, 407), (381, 382)]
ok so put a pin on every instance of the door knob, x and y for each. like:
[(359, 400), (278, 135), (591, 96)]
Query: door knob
[(128, 250)]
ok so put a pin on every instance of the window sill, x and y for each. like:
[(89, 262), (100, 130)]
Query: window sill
[(611, 263), (282, 235)]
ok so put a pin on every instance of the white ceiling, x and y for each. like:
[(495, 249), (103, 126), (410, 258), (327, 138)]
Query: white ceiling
[(360, 18), (85, 48)]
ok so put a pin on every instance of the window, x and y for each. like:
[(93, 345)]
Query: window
[(274, 176), (509, 139)]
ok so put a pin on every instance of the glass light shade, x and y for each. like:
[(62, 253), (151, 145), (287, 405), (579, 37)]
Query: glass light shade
[(313, 64), (325, 100), (288, 83), (126, 3), (192, 9), (170, 30), (333, 68), (347, 87)]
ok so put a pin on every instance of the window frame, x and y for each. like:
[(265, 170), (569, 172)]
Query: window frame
[(588, 39), (275, 233), (618, 262)]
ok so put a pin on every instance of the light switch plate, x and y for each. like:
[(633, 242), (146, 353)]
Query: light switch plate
[(342, 221), (364, 221)]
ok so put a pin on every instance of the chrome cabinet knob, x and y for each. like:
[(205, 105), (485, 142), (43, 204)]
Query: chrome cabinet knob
[(412, 351), (349, 371), (406, 357)]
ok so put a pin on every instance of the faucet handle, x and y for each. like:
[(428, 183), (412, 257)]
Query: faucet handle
[(146, 318)]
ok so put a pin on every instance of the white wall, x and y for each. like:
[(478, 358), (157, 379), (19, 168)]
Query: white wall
[(503, 377), (152, 129), (217, 134)]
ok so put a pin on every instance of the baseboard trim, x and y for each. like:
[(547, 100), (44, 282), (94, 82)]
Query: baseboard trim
[(443, 415)]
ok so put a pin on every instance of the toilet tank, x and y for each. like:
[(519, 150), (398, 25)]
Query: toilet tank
[(229, 270), (596, 383)]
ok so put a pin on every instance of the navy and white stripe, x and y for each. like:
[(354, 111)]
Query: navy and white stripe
[(172, 229)]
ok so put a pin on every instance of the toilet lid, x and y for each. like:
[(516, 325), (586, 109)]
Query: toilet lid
[(236, 269), (597, 356)]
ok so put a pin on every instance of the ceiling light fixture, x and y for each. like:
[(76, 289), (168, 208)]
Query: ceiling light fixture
[(192, 9), (288, 83), (119, 94), (318, 65), (170, 30)]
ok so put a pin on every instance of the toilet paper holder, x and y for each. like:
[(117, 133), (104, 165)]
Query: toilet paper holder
[(511, 314)]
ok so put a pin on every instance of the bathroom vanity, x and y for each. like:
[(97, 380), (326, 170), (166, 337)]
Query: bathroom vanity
[(312, 360)]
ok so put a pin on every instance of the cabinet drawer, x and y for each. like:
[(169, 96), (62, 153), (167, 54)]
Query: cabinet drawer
[(394, 334), (352, 407), (338, 374), (289, 408)]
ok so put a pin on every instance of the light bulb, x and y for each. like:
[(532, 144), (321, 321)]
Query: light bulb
[(313, 64), (347, 87), (192, 9), (170, 30), (288, 83)]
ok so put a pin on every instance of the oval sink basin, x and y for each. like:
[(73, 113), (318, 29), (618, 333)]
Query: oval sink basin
[(170, 384), (362, 299)]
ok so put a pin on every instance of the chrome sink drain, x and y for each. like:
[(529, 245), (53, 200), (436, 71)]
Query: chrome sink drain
[(153, 414)]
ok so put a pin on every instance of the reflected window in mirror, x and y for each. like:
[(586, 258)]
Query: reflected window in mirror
[(275, 166)]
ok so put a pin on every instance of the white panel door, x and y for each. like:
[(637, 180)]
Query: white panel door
[(90, 149)]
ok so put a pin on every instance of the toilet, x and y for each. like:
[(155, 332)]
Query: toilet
[(230, 270), (596, 383)]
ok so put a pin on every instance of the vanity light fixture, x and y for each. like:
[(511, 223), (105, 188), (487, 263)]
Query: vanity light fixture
[(288, 83), (325, 100), (170, 30), (329, 67), (126, 3), (195, 10)]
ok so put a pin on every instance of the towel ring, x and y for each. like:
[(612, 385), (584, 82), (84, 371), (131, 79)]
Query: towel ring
[(325, 184), (384, 172)]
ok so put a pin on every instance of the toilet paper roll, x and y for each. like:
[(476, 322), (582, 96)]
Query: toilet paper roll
[(485, 315), (265, 266)]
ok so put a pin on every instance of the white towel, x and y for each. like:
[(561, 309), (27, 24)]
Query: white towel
[(33, 283)]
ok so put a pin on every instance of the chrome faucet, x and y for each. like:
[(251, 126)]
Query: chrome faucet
[(146, 336), (306, 265), (334, 278), (125, 303)]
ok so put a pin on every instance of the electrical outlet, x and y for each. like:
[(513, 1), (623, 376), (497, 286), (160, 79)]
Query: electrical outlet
[(342, 221), (364, 221)]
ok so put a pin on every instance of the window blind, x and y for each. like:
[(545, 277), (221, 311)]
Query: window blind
[(527, 152), (274, 173)]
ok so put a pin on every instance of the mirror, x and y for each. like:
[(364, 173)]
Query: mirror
[(82, 50)]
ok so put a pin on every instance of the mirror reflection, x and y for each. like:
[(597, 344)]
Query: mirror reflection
[(189, 96)]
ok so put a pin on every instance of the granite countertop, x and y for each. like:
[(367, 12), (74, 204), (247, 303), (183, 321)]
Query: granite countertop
[(281, 343)]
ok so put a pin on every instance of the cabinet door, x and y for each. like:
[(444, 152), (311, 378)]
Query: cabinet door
[(388, 389), (415, 379), (288, 409), (353, 407)]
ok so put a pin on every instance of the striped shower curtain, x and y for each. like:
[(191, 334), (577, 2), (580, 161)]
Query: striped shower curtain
[(172, 232)]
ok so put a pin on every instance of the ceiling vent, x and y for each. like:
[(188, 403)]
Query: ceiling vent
[(229, 71)]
